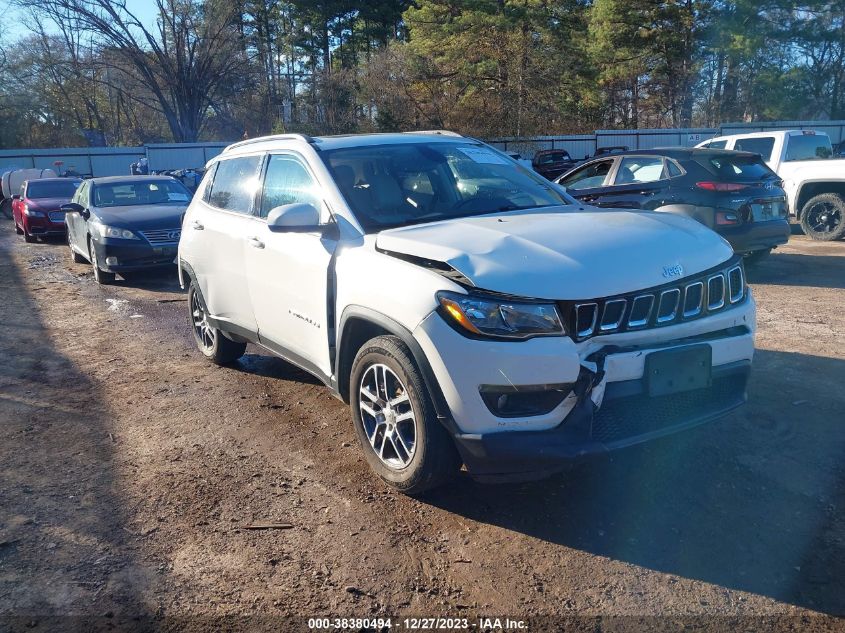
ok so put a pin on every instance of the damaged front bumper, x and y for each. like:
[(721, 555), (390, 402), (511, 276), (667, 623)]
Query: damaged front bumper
[(606, 417), (607, 400)]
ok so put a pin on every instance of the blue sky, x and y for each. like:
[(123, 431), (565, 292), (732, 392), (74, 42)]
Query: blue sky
[(14, 25)]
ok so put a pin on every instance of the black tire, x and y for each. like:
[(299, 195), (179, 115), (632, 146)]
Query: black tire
[(100, 276), (75, 257), (29, 239), (211, 342), (823, 217), (18, 230), (755, 257), (434, 460)]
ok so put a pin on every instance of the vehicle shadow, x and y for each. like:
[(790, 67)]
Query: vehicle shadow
[(63, 546), (793, 269), (754, 502), (268, 366), (163, 279)]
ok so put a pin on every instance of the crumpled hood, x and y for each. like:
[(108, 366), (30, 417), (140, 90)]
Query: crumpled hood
[(564, 254), (142, 217)]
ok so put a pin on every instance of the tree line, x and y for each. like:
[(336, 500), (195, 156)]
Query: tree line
[(93, 71)]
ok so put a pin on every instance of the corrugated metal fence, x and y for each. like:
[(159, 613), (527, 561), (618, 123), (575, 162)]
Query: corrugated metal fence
[(113, 161), (580, 145)]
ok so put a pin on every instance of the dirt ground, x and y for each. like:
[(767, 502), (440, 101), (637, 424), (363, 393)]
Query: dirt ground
[(130, 470)]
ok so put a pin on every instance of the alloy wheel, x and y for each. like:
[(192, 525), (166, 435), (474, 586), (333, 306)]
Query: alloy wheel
[(205, 334), (387, 416), (823, 217)]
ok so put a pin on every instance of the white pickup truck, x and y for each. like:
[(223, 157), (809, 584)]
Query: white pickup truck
[(814, 182)]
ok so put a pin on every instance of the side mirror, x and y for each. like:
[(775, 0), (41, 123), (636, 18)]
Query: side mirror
[(298, 217), (73, 207)]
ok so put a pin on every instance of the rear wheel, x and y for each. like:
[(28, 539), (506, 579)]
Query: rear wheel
[(395, 421), (100, 275), (823, 217), (213, 344)]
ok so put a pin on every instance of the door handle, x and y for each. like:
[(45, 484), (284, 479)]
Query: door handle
[(255, 242), (197, 226)]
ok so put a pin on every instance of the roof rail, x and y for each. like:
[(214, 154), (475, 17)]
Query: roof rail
[(275, 137), (438, 132)]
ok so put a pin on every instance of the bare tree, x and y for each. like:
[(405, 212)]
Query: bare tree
[(186, 61)]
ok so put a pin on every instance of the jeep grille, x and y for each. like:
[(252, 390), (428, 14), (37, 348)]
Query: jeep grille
[(687, 299)]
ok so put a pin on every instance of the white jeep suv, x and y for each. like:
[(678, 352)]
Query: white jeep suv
[(468, 310)]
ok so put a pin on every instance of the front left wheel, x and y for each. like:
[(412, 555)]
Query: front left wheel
[(394, 418), (100, 276)]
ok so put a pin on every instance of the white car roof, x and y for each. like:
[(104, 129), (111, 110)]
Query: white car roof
[(765, 134), (283, 141)]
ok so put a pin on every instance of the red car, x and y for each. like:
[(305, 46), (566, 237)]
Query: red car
[(37, 209)]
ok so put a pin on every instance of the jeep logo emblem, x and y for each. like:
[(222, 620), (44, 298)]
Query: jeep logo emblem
[(670, 272)]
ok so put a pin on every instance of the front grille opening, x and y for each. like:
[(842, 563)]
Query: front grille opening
[(668, 308), (640, 311), (715, 292), (737, 284), (585, 319), (614, 312), (693, 299)]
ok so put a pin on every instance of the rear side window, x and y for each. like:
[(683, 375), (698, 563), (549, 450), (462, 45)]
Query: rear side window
[(808, 147), (717, 144), (287, 182), (761, 145), (734, 168), (235, 184), (673, 169), (588, 176), (639, 169)]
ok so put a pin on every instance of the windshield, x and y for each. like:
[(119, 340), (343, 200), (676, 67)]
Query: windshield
[(52, 189), (808, 147), (411, 183), (135, 193)]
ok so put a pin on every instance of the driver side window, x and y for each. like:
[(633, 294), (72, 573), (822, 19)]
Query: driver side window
[(287, 182), (589, 176)]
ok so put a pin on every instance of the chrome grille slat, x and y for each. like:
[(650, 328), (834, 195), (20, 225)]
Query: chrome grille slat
[(613, 315), (644, 319), (590, 315), (715, 292), (694, 310), (694, 297), (162, 236), (736, 284), (668, 297)]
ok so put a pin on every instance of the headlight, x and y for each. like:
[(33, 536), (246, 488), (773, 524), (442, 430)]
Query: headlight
[(487, 316), (101, 230), (32, 213)]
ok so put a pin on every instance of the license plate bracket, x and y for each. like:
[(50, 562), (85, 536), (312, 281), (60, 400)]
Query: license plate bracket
[(678, 370)]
